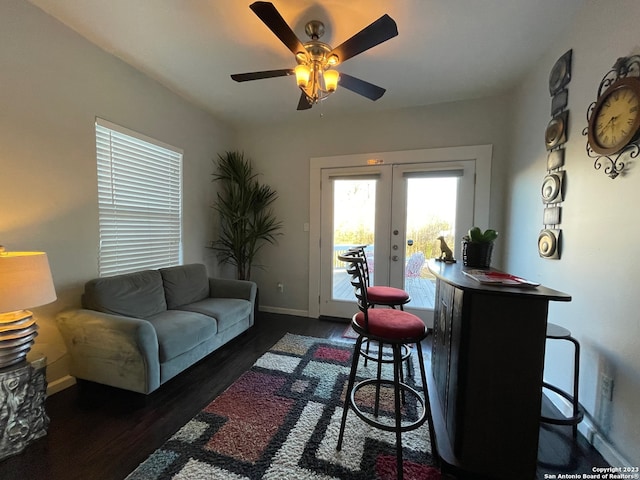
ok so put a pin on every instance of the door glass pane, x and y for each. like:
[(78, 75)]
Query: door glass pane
[(353, 224), (431, 212)]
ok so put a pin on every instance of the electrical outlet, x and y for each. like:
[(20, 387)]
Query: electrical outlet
[(280, 287), (606, 387)]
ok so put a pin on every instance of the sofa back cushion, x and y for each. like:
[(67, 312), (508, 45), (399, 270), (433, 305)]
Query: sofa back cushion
[(138, 294), (185, 284)]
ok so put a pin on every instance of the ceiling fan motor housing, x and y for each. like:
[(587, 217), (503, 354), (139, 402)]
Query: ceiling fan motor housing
[(314, 29)]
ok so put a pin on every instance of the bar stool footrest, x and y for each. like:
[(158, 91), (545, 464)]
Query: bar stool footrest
[(367, 417), (406, 354), (574, 419)]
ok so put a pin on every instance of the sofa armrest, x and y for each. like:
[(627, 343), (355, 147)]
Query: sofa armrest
[(227, 288), (111, 349)]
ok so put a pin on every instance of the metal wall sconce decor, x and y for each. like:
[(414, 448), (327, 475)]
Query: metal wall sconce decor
[(549, 243), (613, 120), (556, 132), (552, 191), (555, 136)]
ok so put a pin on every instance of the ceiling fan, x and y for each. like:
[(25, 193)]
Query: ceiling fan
[(315, 74)]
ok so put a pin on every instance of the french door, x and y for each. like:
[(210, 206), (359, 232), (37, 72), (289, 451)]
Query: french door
[(398, 211)]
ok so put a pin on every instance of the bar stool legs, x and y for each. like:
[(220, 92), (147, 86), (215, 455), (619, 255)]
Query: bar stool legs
[(399, 390), (560, 333)]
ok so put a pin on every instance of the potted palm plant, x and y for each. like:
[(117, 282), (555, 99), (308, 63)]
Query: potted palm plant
[(247, 222), (477, 247)]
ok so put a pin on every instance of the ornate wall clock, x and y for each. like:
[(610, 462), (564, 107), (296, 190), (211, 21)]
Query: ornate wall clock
[(613, 119)]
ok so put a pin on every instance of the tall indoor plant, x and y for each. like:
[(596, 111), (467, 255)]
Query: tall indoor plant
[(247, 221)]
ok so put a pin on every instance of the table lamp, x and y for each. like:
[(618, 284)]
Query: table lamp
[(25, 282)]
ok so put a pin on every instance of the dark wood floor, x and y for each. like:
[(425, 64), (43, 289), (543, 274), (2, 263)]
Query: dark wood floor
[(103, 433)]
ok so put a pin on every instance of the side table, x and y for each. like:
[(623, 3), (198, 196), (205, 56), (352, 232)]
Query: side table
[(23, 390)]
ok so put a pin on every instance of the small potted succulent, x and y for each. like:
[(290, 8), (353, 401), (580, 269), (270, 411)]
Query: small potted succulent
[(477, 247)]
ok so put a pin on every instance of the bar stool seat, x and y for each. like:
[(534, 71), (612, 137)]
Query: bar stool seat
[(388, 296), (556, 332)]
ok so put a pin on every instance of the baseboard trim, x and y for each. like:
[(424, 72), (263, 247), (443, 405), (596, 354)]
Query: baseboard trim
[(608, 451), (284, 311), (60, 384), (592, 434)]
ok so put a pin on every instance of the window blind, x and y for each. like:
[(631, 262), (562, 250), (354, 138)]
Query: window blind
[(435, 173), (139, 201)]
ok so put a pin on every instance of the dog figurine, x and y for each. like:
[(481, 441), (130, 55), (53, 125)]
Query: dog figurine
[(446, 255)]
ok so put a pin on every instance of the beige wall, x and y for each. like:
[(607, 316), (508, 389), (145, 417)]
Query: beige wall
[(52, 86), (282, 152), (600, 265)]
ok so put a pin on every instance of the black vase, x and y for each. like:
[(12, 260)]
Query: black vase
[(476, 254)]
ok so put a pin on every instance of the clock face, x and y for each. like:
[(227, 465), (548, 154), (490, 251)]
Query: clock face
[(616, 117)]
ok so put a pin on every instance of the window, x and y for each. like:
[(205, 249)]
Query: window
[(139, 201)]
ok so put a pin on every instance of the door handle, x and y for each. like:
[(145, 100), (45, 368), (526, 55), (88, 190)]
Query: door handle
[(394, 258)]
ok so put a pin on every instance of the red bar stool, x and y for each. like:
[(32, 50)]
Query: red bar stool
[(383, 296), (391, 327)]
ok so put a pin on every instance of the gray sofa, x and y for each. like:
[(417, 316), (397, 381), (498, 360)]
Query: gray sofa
[(138, 330)]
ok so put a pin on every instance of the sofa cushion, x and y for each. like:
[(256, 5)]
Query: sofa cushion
[(179, 331), (228, 311), (185, 284), (138, 294)]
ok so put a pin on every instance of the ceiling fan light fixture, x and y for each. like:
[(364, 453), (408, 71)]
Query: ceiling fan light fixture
[(331, 78), (302, 75), (316, 60)]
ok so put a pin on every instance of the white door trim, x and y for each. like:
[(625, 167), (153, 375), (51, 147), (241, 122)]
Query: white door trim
[(481, 154)]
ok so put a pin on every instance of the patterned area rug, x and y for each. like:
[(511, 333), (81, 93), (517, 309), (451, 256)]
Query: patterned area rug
[(349, 332), (281, 419)]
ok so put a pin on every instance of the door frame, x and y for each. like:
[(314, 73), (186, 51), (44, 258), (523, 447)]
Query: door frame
[(481, 154)]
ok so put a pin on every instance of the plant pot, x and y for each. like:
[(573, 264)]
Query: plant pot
[(475, 254)]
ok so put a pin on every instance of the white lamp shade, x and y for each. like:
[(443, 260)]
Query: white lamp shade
[(25, 281)]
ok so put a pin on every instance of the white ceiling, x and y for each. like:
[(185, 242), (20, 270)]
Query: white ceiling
[(446, 50)]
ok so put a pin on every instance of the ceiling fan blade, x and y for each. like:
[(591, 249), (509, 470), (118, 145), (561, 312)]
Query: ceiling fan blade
[(379, 31), (366, 89), (303, 103), (272, 19), (245, 77)]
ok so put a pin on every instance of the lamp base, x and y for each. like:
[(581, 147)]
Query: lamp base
[(23, 418), (17, 333)]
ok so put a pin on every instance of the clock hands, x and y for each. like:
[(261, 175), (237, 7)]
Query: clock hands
[(609, 124)]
